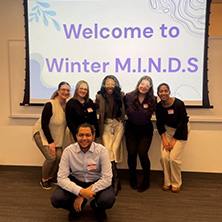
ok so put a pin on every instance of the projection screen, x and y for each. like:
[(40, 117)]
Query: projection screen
[(88, 39)]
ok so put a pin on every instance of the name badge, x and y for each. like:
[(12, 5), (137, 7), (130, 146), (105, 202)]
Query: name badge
[(145, 105), (170, 111), (91, 167), (90, 110)]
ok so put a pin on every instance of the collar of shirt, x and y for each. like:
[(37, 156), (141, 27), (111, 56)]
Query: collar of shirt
[(91, 149)]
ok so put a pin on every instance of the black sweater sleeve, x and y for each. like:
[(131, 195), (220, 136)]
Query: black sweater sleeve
[(46, 116), (71, 117), (177, 119), (181, 130), (95, 121), (160, 120)]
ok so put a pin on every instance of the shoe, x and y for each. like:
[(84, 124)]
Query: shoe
[(165, 187), (116, 185), (133, 183), (175, 189), (53, 181), (73, 215), (99, 213), (101, 216), (45, 185), (115, 180), (143, 186)]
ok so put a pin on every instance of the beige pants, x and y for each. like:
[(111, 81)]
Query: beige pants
[(113, 138), (171, 161)]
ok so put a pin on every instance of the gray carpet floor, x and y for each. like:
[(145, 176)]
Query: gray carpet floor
[(22, 199)]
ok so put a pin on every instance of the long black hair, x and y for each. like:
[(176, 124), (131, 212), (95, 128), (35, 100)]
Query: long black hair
[(116, 92)]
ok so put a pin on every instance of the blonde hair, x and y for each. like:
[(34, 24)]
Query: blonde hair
[(75, 96)]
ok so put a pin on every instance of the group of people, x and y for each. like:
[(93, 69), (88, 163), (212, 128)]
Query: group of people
[(88, 167)]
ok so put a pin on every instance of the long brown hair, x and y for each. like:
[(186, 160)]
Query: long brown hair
[(149, 96)]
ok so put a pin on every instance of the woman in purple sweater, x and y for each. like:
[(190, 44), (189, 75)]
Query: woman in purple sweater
[(139, 104)]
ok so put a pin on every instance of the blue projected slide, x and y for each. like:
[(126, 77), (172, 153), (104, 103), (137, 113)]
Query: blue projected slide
[(89, 39)]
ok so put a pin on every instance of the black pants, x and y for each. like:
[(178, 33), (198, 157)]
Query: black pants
[(138, 141), (64, 199)]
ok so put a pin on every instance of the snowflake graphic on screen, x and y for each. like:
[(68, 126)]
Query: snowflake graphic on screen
[(42, 9)]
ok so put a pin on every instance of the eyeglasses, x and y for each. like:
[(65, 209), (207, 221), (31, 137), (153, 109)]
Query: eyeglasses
[(145, 85), (83, 88), (110, 84)]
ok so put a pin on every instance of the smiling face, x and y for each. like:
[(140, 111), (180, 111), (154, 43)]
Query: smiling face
[(64, 91), (110, 86), (144, 87), (164, 93), (84, 138), (82, 90)]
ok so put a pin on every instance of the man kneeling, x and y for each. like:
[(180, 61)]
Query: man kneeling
[(84, 172)]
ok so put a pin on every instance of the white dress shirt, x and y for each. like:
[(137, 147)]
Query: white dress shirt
[(94, 165)]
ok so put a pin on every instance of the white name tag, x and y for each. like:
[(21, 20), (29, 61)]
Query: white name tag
[(145, 105), (91, 167), (170, 111), (90, 110)]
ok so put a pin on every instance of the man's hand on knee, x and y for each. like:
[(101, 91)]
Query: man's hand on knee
[(87, 192), (78, 203)]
